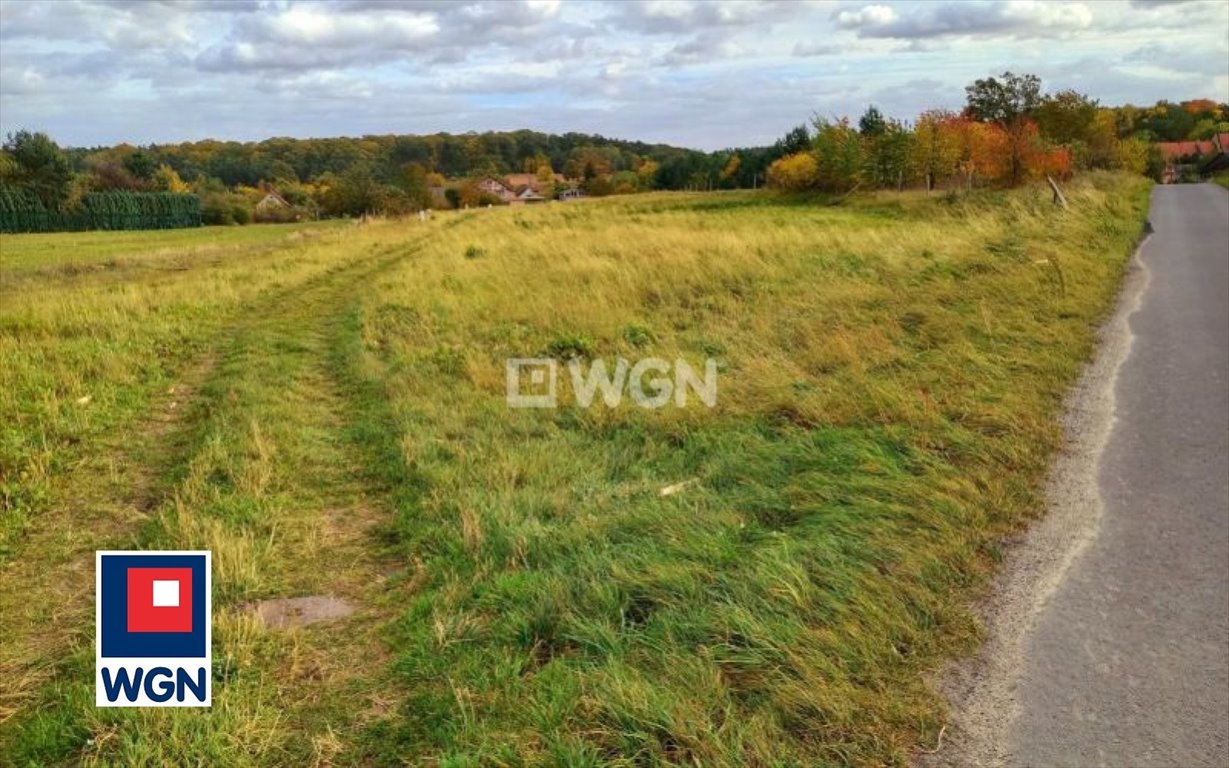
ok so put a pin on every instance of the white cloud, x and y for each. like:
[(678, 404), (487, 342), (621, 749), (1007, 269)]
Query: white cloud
[(868, 16), (1018, 18), (708, 74)]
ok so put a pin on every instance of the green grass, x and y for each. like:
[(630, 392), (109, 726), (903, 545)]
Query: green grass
[(1221, 179), (66, 251), (890, 377)]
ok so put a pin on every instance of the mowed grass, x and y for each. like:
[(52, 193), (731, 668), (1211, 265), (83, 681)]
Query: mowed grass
[(68, 252), (890, 375)]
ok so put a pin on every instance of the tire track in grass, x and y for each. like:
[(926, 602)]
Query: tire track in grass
[(264, 477), (46, 587)]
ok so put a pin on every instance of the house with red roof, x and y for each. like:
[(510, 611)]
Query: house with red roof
[(1202, 157)]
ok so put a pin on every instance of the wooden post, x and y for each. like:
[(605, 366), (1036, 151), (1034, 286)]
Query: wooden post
[(1059, 199)]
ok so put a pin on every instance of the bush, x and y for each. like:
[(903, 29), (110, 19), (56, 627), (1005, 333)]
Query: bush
[(638, 336), (794, 173), (220, 207), (278, 214), (569, 346)]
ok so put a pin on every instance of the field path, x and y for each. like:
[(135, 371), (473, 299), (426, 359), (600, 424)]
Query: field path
[(254, 456)]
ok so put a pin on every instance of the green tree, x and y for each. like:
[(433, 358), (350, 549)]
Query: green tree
[(838, 151), (1066, 117), (872, 122), (797, 140), (42, 167), (353, 193), (1207, 128), (413, 182), (887, 155), (1003, 101), (141, 164)]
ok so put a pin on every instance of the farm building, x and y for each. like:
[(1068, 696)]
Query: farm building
[(272, 201), (531, 180), (497, 188), (527, 195)]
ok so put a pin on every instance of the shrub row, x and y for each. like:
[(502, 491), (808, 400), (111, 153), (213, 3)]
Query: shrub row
[(22, 211)]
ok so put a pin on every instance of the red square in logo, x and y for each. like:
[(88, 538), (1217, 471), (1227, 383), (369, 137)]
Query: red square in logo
[(159, 599)]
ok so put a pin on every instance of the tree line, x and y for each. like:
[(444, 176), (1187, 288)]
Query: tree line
[(351, 176), (1008, 132)]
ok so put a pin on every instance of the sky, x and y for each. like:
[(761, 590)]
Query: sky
[(707, 75)]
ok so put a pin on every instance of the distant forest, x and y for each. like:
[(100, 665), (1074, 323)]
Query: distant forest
[(453, 156), (351, 176), (1008, 132)]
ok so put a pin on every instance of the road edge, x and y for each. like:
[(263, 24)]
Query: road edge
[(981, 691)]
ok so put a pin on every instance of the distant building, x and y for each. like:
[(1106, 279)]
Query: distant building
[(272, 201), (496, 188), (531, 180), (1201, 157), (1219, 160), (527, 195), (571, 193)]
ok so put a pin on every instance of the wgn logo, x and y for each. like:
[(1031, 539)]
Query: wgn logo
[(153, 629)]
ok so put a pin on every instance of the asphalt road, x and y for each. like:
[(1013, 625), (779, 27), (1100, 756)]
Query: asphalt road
[(1128, 662)]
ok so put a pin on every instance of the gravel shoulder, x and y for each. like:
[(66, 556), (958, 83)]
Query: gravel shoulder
[(1108, 631)]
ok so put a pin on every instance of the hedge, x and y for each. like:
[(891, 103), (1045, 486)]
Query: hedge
[(22, 211)]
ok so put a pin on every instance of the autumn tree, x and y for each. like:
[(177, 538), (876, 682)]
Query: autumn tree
[(1024, 151), (729, 170), (1101, 139), (981, 149), (106, 172), (1055, 162), (794, 173), (165, 179), (936, 150), (646, 173), (1131, 155)]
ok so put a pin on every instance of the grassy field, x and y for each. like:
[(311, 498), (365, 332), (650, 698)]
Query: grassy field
[(324, 408)]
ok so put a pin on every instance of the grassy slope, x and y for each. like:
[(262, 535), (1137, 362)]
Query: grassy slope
[(890, 376)]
